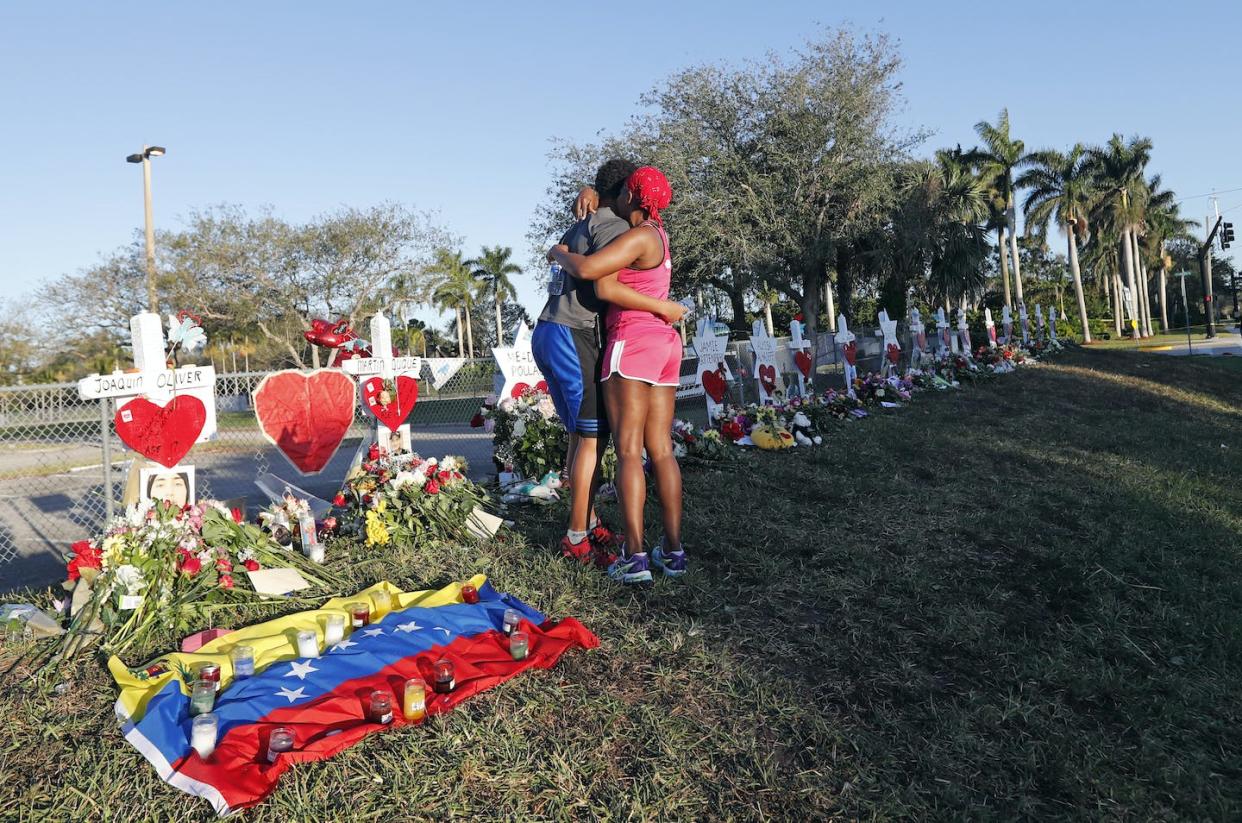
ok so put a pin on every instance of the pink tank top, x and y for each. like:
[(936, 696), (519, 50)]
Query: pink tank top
[(651, 282)]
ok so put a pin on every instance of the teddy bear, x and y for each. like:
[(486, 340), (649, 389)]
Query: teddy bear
[(803, 432)]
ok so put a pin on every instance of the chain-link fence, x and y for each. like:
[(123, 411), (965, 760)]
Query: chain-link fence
[(63, 470)]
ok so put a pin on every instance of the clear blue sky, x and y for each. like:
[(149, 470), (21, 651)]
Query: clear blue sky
[(307, 106)]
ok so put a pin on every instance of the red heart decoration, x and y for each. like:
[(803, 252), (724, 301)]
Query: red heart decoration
[(714, 385), (894, 353), (803, 361), (851, 352), (767, 378), (305, 414), (398, 408), (162, 433), (519, 388)]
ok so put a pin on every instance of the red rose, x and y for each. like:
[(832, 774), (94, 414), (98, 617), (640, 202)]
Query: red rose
[(251, 565), (476, 422), (85, 556), (339, 500), (226, 582), (329, 524), (432, 487), (190, 565), (366, 500), (237, 515), (444, 476), (223, 565), (373, 453)]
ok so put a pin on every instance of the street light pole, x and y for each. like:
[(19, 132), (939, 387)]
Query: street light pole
[(144, 157)]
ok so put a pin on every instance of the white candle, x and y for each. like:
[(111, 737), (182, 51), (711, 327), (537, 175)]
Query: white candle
[(315, 553), (308, 643), (334, 629), (203, 734)]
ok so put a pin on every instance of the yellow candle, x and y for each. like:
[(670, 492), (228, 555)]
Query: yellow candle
[(414, 703)]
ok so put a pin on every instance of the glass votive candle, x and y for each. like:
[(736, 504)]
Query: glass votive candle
[(414, 699), (315, 553), (334, 629), (278, 742), (210, 672), (383, 603), (360, 614), (203, 731), (512, 620), (379, 707), (469, 594), (243, 661), (519, 645), (445, 679), (308, 643), (202, 697)]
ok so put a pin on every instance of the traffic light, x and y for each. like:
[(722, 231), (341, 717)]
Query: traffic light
[(1226, 235)]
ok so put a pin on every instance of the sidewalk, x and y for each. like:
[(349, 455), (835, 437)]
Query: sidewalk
[(1227, 342)]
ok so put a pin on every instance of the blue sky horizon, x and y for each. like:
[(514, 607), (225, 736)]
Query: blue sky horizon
[(308, 107)]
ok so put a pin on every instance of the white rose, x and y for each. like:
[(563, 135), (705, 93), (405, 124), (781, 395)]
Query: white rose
[(130, 579)]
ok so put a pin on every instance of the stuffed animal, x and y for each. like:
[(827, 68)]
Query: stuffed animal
[(771, 437), (542, 492), (803, 433)]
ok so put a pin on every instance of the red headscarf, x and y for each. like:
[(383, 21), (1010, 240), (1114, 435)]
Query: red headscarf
[(650, 187)]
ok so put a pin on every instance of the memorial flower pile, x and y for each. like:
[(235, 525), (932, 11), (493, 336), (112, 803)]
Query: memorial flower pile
[(284, 521), (688, 441), (403, 497), (527, 436), (159, 566)]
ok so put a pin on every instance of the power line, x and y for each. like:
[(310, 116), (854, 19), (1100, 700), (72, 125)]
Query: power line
[(1207, 194)]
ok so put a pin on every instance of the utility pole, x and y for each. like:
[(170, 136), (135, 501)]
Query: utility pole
[(1182, 275), (144, 157), (1205, 265)]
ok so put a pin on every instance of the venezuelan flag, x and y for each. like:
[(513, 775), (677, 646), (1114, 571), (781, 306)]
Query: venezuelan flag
[(322, 699)]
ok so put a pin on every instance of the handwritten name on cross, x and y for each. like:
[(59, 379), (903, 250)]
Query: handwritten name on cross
[(713, 371), (991, 327), (151, 377), (849, 348), (892, 348), (767, 373), (384, 365)]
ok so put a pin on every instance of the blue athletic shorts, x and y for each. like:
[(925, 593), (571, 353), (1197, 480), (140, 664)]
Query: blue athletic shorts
[(569, 360)]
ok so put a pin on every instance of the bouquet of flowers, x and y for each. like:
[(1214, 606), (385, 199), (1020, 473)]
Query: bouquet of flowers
[(405, 498), (284, 521), (160, 566), (527, 436), (688, 441)]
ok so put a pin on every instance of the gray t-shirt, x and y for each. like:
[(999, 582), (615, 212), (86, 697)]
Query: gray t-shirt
[(572, 302)]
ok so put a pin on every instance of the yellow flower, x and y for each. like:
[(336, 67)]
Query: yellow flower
[(377, 532), (113, 551)]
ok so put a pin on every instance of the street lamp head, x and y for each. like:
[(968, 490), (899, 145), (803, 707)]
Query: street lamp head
[(134, 158), (155, 151)]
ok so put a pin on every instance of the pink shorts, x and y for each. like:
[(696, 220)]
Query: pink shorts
[(650, 353)]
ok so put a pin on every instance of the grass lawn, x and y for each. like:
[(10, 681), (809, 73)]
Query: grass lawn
[(1020, 600)]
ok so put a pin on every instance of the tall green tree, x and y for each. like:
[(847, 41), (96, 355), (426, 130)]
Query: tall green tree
[(493, 268), (1060, 190), (1118, 168), (453, 286), (1163, 223), (996, 161)]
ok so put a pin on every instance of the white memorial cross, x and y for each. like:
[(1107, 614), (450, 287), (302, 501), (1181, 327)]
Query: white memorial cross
[(517, 363), (991, 327), (1007, 324), (963, 332), (799, 345), (849, 349), (381, 364), (892, 348), (1052, 322), (1039, 320), (1026, 323), (712, 370), (151, 376), (943, 334), (767, 372), (918, 337)]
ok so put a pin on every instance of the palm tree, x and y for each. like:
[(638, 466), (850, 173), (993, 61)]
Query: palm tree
[(1118, 170), (1163, 223), (1060, 189), (493, 268), (454, 287), (996, 161), (768, 296)]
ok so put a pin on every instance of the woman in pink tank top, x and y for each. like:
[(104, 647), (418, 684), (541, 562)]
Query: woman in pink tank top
[(640, 370)]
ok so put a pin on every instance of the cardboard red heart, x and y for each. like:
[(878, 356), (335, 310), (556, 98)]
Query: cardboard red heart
[(894, 353), (305, 414), (851, 352), (398, 408), (161, 433), (519, 388), (767, 378), (714, 385), (803, 362)]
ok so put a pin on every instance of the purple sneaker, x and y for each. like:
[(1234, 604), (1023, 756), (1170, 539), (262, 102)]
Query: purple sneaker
[(673, 564), (630, 569)]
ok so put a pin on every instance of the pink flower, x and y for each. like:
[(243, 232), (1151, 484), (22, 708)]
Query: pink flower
[(226, 581), (251, 565), (432, 487), (190, 565), (339, 500)]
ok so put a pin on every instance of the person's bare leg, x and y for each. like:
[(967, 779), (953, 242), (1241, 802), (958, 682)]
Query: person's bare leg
[(659, 441), (581, 473), (627, 411)]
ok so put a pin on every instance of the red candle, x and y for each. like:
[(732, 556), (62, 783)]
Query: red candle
[(445, 679), (361, 614), (210, 673), (469, 594), (379, 707)]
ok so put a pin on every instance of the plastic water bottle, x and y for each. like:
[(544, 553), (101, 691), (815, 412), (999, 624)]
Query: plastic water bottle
[(556, 280)]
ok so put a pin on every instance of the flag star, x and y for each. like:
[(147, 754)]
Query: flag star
[(300, 670), (344, 644), (409, 627), (292, 694), (372, 632), (447, 633)]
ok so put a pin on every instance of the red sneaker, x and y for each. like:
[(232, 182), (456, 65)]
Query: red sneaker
[(582, 551), (606, 543)]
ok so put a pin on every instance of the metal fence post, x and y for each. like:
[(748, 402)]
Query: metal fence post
[(105, 437)]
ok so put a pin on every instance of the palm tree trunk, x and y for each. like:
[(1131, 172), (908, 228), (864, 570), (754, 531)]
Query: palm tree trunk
[(830, 303), (1118, 309), (1164, 302), (500, 335), (461, 340), (767, 318), (1127, 257), (1004, 262), (1141, 295), (469, 333), (1074, 270), (1017, 264)]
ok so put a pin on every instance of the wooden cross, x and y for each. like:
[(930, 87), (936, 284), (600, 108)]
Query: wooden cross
[(963, 332), (798, 346), (849, 347), (991, 327), (384, 365), (767, 372), (1007, 324), (1052, 322), (942, 331), (892, 348), (1026, 323)]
